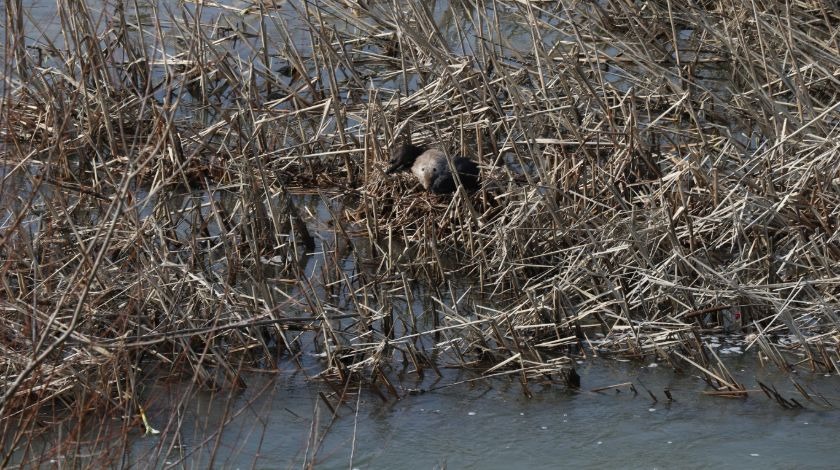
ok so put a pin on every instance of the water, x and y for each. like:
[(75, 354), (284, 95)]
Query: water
[(491, 424)]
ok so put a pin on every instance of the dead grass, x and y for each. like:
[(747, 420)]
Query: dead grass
[(199, 192)]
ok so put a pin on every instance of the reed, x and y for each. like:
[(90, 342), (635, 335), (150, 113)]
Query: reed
[(199, 192)]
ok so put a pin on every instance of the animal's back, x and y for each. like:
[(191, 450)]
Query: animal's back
[(467, 173)]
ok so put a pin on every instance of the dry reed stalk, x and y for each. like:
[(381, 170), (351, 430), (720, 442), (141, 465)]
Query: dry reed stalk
[(192, 187)]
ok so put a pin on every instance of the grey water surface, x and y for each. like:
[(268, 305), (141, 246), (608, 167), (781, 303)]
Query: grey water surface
[(488, 424)]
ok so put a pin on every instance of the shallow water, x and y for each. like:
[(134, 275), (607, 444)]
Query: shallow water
[(492, 424)]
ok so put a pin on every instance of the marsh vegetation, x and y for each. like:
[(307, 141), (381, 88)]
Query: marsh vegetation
[(197, 191)]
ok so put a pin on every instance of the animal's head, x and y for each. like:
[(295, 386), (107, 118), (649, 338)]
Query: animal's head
[(428, 175), (430, 168)]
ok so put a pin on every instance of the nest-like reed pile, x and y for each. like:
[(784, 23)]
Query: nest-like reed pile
[(650, 172)]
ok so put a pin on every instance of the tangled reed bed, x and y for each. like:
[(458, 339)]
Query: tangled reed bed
[(197, 190)]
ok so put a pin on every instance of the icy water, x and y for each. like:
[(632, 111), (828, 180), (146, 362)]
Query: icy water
[(491, 424)]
